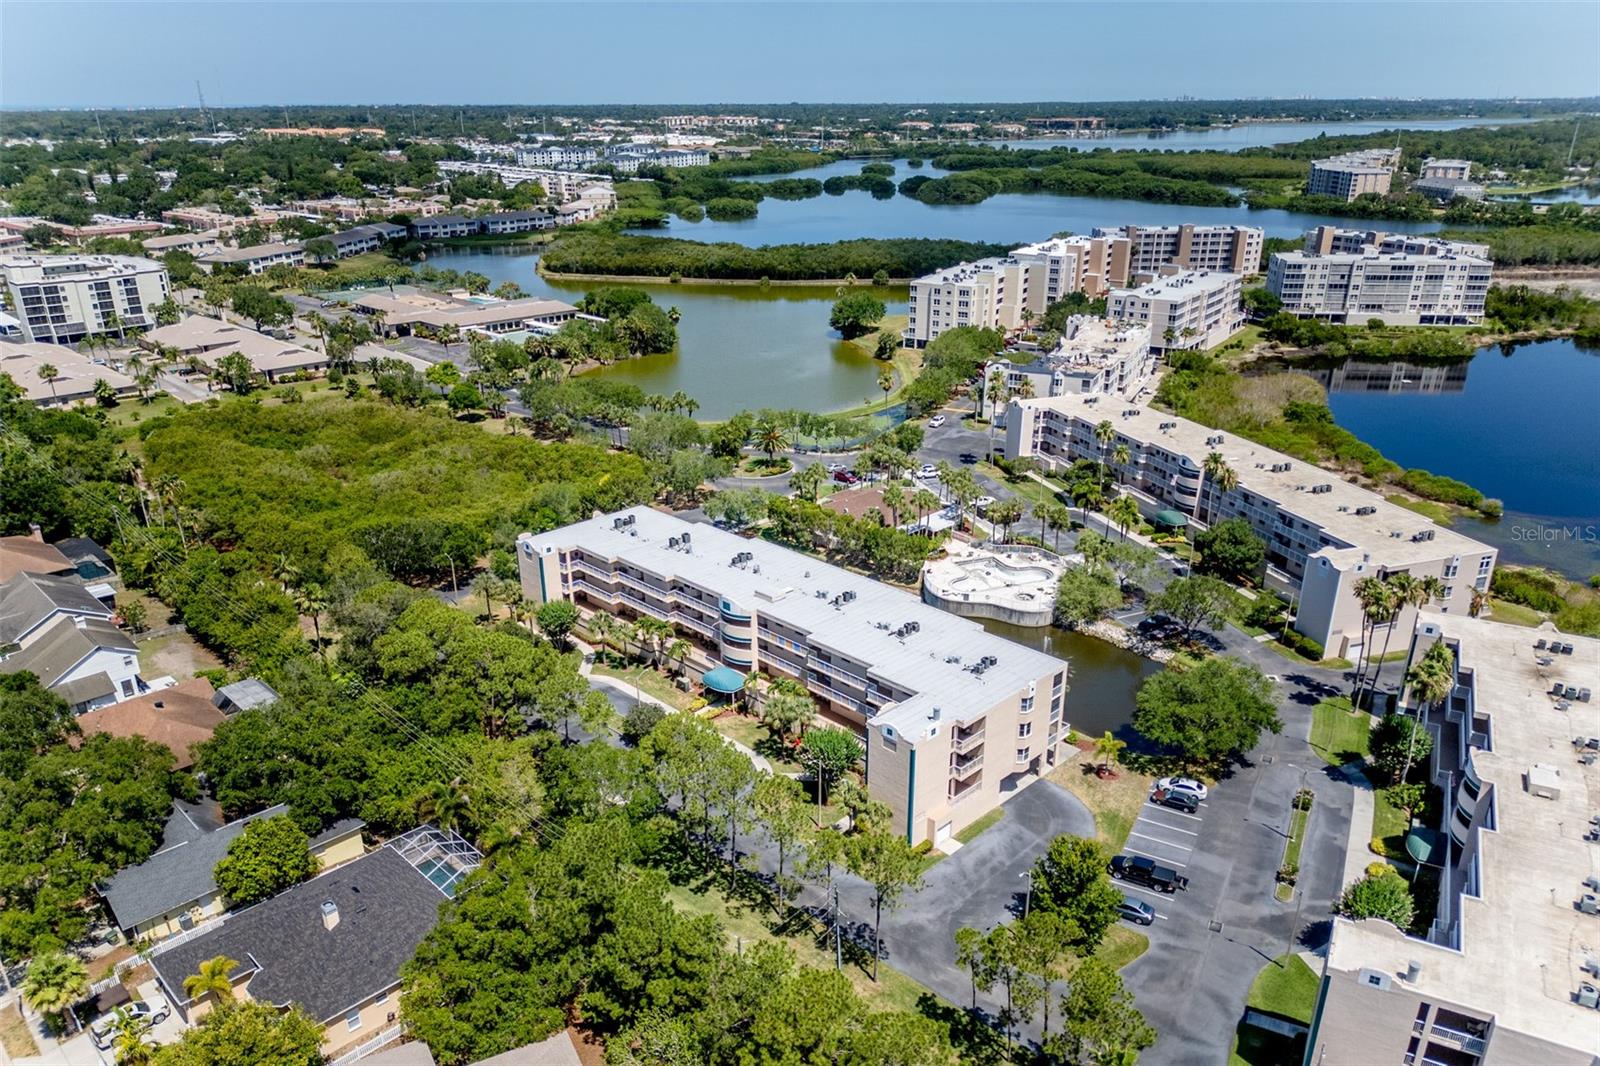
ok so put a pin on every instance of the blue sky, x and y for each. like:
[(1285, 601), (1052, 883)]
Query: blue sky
[(61, 54)]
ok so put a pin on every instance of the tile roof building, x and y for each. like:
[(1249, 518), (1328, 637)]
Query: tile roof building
[(209, 340), (179, 718), (953, 717)]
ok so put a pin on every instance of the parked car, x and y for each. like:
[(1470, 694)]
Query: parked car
[(1184, 784), (834, 468), (845, 477), (983, 503), (936, 421), (104, 1031), (1136, 911), (1186, 802), (927, 470), (1143, 871)]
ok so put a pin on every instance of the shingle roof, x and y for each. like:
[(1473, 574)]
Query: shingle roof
[(385, 907), (179, 718), (27, 601), (25, 555), (179, 873), (63, 645), (554, 1050)]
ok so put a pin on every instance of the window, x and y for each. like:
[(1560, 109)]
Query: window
[(1022, 754), (383, 997), (1025, 729), (352, 1021)]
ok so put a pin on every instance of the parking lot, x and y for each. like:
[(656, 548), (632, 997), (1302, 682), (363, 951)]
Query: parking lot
[(1169, 837)]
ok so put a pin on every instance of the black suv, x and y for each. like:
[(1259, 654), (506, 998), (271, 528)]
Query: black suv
[(1177, 799), (1148, 872)]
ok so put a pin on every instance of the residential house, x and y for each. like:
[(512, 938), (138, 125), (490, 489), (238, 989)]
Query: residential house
[(87, 662), (175, 889), (332, 946), (179, 718), (30, 602), (29, 554)]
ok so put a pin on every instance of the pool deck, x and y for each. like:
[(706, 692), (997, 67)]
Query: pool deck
[(1016, 585)]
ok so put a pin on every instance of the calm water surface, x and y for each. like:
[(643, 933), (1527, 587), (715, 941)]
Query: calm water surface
[(1517, 423), (1102, 682), (739, 347), (1257, 134)]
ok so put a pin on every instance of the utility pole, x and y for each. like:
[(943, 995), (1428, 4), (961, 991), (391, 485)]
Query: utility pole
[(838, 945), (1574, 145)]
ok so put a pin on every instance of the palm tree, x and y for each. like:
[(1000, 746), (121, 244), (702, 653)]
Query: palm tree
[(1374, 596), (1124, 512), (886, 382), (1406, 591), (678, 652), (1433, 678), (926, 501), (55, 982), (674, 315), (1104, 433), (284, 572), (310, 601), (1108, 748), (1057, 518), (1025, 391), (602, 625), (771, 437), (47, 373), (1222, 478), (212, 979), (808, 481), (1480, 602), (690, 405), (487, 585), (995, 392), (1121, 456), (445, 803), (894, 498), (128, 1044)]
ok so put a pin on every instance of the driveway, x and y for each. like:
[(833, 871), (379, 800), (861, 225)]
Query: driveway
[(1211, 941)]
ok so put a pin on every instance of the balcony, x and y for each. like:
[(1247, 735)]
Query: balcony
[(965, 742), (961, 769), (833, 671), (1471, 1043)]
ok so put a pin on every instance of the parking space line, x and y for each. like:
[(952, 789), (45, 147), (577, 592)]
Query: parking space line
[(1158, 840), (1180, 814), (1148, 892), (1173, 828)]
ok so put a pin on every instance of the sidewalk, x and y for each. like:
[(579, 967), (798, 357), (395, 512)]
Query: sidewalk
[(1358, 851)]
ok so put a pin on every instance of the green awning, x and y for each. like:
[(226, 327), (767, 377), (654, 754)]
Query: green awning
[(724, 680), (1171, 518), (1425, 846)]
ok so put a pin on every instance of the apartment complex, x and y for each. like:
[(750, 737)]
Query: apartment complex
[(1354, 174), (951, 714), (61, 299), (367, 238), (1094, 357), (1352, 276), (1228, 249), (998, 292), (1182, 308), (556, 156), (628, 158), (1509, 973), (402, 313), (253, 258), (1456, 169), (75, 378), (1322, 534), (559, 185)]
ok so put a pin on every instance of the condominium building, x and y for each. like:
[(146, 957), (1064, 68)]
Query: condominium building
[(1228, 249), (1399, 279), (1457, 169), (1094, 357), (558, 185), (1354, 174), (193, 243), (206, 218), (75, 378), (402, 313), (61, 299), (951, 715), (1064, 265), (1184, 309), (1322, 534), (253, 259), (367, 238), (556, 156), (1509, 972), (516, 221), (628, 158), (988, 294), (1446, 189)]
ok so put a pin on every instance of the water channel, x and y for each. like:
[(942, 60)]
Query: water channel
[(1102, 681)]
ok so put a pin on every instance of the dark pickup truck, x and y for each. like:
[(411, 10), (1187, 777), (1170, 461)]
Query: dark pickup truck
[(1148, 872)]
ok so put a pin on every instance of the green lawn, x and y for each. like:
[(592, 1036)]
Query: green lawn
[(750, 732), (650, 682), (1438, 512), (1514, 614), (1115, 802), (743, 922), (1031, 491), (970, 833), (1122, 944), (1287, 988), (1295, 657), (1338, 733), (1291, 852), (1389, 827)]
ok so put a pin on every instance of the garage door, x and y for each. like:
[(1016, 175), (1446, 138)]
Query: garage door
[(941, 835)]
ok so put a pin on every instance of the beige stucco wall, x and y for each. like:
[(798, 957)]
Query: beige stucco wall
[(340, 851), (166, 925)]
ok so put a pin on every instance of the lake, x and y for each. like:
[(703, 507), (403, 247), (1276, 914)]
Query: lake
[(1014, 218), (1516, 423), (1103, 680), (739, 347)]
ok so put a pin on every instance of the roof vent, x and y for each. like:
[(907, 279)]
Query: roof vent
[(1413, 971), (330, 914)]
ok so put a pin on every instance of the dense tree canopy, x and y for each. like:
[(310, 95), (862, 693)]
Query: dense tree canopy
[(1207, 712)]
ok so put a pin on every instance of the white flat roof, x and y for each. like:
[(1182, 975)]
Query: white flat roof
[(1181, 284), (788, 589), (1523, 943), (1289, 487)]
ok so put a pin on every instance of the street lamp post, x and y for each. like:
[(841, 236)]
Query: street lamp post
[(1027, 899)]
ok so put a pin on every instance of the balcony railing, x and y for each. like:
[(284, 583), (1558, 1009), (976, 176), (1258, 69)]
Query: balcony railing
[(964, 768), (1471, 1043), (966, 743), (835, 671)]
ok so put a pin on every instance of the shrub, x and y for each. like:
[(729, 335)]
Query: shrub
[(1529, 588), (1303, 799), (1303, 645), (1288, 872), (1384, 895), (640, 721)]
